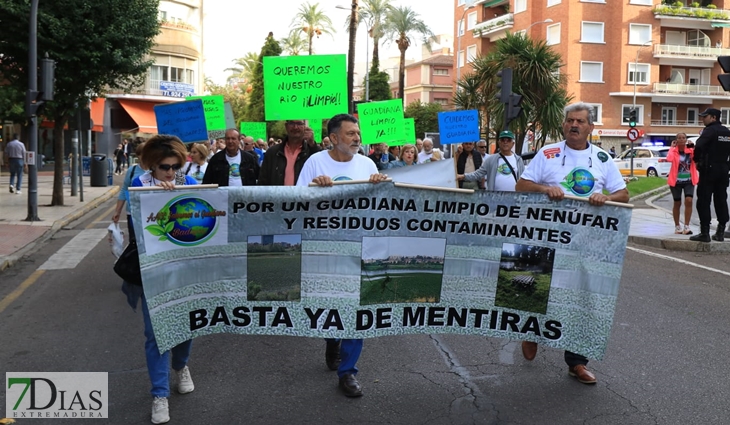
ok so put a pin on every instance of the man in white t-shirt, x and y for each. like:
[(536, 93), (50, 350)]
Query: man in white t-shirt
[(573, 167), (428, 153), (501, 170), (341, 163)]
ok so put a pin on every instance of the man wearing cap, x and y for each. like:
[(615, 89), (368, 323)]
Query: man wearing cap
[(502, 170), (551, 172), (712, 157)]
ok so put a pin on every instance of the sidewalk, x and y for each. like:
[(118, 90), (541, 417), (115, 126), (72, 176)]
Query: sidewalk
[(19, 237), (651, 227)]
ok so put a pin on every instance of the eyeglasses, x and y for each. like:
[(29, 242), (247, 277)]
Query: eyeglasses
[(481, 147), (167, 167)]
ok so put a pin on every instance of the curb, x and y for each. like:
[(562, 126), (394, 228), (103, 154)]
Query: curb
[(11, 259), (674, 244)]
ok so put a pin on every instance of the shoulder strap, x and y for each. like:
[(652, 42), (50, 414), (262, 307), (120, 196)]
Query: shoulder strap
[(131, 174), (509, 165), (188, 169)]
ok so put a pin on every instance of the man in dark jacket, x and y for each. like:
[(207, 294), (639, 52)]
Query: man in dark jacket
[(232, 166), (284, 161), (468, 161), (712, 156)]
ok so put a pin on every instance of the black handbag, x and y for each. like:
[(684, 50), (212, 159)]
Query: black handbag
[(127, 265)]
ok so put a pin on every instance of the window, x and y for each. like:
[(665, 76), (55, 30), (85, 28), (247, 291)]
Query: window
[(462, 2), (692, 115), (520, 6), (552, 2), (596, 113), (669, 115), (626, 109), (162, 15), (639, 33), (471, 20), (471, 53), (642, 2), (638, 73), (441, 101), (460, 60), (553, 34), (724, 114), (461, 27), (440, 71), (591, 72), (592, 32)]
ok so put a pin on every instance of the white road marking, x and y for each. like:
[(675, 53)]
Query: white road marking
[(678, 260), (71, 254)]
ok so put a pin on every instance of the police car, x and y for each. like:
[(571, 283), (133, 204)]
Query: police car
[(650, 161)]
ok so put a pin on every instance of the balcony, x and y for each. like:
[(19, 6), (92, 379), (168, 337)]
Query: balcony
[(676, 123), (689, 89), (690, 17), (494, 28), (675, 55)]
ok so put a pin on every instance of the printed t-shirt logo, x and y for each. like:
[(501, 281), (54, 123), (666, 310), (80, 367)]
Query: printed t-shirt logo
[(551, 153), (234, 170), (579, 181), (504, 169), (341, 178)]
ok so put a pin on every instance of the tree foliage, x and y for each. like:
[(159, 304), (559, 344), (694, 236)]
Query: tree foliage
[(374, 14), (535, 76), (293, 44), (402, 24), (425, 117), (255, 108), (243, 67), (311, 20), (98, 46)]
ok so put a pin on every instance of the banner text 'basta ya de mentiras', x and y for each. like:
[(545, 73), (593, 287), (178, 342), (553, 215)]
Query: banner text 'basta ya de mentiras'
[(364, 260)]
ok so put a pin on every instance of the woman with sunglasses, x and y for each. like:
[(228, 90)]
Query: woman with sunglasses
[(163, 155), (198, 163)]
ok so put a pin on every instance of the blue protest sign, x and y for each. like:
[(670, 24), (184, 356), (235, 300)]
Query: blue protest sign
[(459, 126), (185, 120)]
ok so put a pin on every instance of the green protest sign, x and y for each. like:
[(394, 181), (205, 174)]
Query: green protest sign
[(230, 119), (257, 130), (215, 114), (382, 122), (316, 126), (299, 87)]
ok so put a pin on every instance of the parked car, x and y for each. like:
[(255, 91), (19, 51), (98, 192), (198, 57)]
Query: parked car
[(650, 161)]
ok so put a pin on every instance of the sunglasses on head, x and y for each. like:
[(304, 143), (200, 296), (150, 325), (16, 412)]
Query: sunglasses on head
[(167, 167)]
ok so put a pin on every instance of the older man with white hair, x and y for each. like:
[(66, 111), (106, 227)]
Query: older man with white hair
[(429, 153)]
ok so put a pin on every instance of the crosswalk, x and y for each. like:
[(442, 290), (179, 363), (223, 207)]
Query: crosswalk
[(71, 254)]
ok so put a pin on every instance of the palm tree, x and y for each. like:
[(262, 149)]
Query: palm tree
[(374, 12), (401, 25), (243, 69), (294, 44), (535, 76), (311, 20)]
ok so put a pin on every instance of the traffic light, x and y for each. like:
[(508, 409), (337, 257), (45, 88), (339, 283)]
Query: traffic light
[(513, 107), (504, 84), (724, 79), (632, 117)]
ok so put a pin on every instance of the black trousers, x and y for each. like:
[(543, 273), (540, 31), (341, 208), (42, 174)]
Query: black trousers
[(574, 359), (713, 184)]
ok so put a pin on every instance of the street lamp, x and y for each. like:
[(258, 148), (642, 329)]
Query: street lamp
[(458, 45), (636, 66), (546, 21), (367, 57)]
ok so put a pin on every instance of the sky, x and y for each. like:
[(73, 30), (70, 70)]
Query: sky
[(233, 28)]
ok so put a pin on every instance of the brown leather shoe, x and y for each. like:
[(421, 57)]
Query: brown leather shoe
[(582, 373), (529, 349)]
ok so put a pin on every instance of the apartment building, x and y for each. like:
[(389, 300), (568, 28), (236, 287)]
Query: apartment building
[(618, 53), (429, 80), (177, 72)]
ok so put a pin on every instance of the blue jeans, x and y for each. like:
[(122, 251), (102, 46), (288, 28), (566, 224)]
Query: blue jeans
[(158, 365), (350, 350), (16, 169)]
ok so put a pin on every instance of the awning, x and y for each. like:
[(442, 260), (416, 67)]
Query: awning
[(719, 25), (97, 114), (491, 3), (142, 114)]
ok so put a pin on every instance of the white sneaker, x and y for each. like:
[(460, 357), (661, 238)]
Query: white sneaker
[(17, 192), (184, 381), (12, 189), (160, 410)]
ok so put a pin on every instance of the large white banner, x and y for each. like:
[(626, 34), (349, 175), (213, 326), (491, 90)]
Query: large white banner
[(365, 260)]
